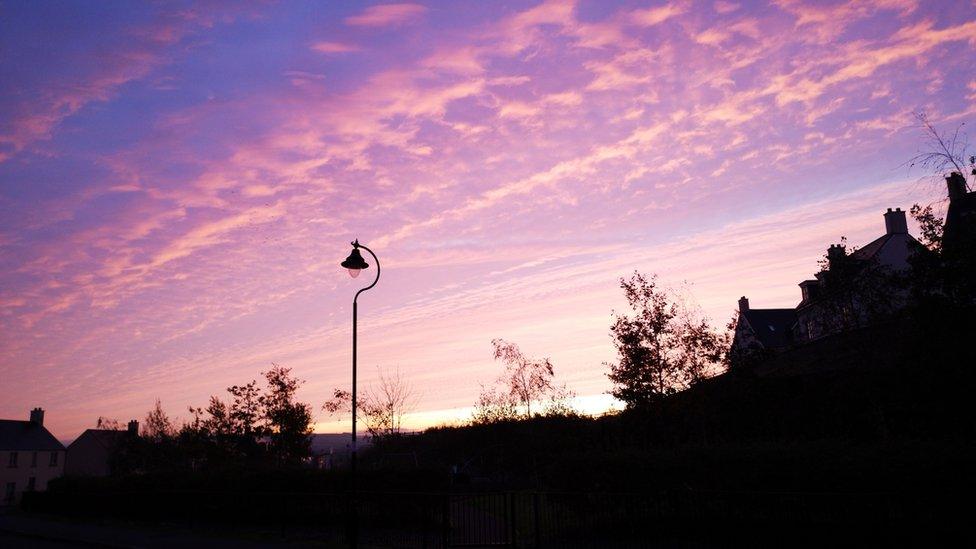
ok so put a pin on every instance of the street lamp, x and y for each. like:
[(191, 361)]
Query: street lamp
[(355, 264)]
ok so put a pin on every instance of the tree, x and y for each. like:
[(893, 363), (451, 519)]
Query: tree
[(663, 346), (382, 407), (943, 153), (945, 275), (220, 422), (157, 426), (288, 422), (386, 404), (701, 349), (110, 424), (524, 382), (245, 411)]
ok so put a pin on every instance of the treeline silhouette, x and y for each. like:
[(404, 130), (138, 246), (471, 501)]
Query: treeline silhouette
[(258, 428)]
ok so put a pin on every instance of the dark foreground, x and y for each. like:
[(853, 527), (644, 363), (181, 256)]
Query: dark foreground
[(492, 519)]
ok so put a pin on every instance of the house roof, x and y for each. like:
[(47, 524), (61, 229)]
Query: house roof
[(771, 326), (873, 248), (106, 438), (26, 435)]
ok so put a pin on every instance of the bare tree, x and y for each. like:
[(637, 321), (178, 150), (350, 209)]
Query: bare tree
[(386, 403), (943, 153), (110, 424), (524, 382), (383, 406)]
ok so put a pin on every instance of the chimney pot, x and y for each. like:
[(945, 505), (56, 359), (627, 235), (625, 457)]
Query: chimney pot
[(743, 304), (133, 427), (37, 416), (895, 222)]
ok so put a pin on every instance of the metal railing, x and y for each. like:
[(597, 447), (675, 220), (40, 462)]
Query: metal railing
[(509, 519)]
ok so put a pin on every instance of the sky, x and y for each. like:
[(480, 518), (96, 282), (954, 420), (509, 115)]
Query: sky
[(179, 181)]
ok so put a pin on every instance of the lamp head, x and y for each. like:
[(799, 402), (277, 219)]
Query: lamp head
[(355, 262)]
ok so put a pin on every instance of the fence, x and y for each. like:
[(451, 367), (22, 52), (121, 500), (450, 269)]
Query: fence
[(525, 519)]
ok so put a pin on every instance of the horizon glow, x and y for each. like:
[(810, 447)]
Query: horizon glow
[(179, 183)]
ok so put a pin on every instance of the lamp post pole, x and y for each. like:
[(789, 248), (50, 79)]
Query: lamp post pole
[(355, 264), (355, 316)]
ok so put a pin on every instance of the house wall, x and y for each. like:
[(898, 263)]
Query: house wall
[(744, 338), (87, 457), (42, 471)]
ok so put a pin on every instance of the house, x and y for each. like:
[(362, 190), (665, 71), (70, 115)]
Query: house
[(92, 453), (849, 292), (855, 289), (763, 330), (30, 457)]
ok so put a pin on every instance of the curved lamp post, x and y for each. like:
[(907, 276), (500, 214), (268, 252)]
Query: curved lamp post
[(355, 264)]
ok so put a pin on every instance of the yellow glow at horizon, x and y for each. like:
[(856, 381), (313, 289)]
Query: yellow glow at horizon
[(590, 405)]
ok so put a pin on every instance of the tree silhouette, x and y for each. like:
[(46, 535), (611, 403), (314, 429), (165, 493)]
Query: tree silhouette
[(942, 153), (383, 407), (157, 426), (663, 346), (288, 423), (524, 382)]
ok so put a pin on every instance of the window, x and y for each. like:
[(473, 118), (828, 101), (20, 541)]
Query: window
[(9, 495), (54, 459), (34, 459), (30, 484), (13, 460)]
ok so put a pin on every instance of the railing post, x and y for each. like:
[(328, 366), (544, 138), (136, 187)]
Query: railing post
[(446, 526), (511, 519), (535, 520)]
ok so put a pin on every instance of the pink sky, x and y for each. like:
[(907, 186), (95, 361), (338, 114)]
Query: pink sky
[(179, 184)]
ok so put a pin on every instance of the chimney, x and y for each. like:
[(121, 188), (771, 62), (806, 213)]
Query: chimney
[(895, 222), (957, 186), (743, 304), (37, 416), (133, 427), (835, 253)]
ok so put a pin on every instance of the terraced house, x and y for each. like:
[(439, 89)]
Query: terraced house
[(30, 457)]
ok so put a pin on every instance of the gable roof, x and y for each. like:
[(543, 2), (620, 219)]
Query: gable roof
[(106, 438), (26, 435), (771, 326), (873, 248)]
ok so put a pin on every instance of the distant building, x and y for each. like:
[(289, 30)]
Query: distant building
[(91, 453), (848, 293), (30, 457), (333, 450)]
